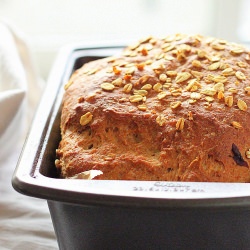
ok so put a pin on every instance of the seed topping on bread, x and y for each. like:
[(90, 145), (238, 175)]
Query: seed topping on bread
[(168, 77), (180, 102)]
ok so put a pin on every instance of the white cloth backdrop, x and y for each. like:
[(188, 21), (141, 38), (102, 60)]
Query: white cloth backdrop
[(25, 222)]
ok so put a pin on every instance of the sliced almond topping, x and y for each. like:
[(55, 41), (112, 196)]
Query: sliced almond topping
[(219, 87), (228, 72), (222, 41), (163, 77), (175, 93), (237, 50), (148, 62), (167, 85), (174, 105), (157, 87), (144, 79), (171, 73), (201, 54), (233, 90), (183, 76), (229, 100), (209, 98), (111, 59), (132, 54), (179, 36), (142, 107), (180, 124), (145, 39), (223, 66), (86, 118), (175, 90), (168, 81), (209, 78), (169, 38), (135, 98), (134, 46), (213, 58), (161, 120), (130, 71), (127, 88), (214, 66), (168, 57), (218, 46), (117, 82), (147, 86), (124, 64), (218, 78), (240, 75), (241, 64), (220, 95), (158, 66), (168, 48), (196, 63), (162, 95), (197, 74), (192, 101), (123, 99), (193, 85), (126, 52), (181, 56), (165, 45), (141, 92), (184, 48), (242, 105), (236, 124), (195, 95), (160, 56), (107, 86), (209, 91), (153, 41)]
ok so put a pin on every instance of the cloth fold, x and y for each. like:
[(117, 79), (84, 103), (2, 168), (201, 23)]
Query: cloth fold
[(10, 101), (13, 89), (20, 85), (25, 221)]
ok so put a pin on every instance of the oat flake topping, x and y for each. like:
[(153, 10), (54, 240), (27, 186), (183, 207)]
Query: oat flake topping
[(187, 71)]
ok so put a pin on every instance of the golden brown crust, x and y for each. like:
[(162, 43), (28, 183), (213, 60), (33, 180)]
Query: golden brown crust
[(175, 109)]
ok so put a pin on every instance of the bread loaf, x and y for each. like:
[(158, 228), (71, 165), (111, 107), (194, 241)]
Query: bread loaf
[(166, 109)]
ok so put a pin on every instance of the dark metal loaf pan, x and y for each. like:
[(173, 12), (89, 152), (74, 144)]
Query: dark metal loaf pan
[(89, 214)]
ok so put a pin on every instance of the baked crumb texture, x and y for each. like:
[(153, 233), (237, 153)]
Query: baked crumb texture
[(173, 109)]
